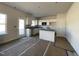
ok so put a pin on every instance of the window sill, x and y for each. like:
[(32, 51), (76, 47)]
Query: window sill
[(3, 34)]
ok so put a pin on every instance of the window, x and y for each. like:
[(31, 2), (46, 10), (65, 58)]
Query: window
[(3, 19), (21, 27), (34, 22)]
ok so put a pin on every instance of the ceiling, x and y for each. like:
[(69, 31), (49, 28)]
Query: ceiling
[(40, 9)]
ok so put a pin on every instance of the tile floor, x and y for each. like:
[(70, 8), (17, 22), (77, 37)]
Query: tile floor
[(32, 46)]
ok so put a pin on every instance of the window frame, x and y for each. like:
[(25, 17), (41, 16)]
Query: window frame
[(5, 25)]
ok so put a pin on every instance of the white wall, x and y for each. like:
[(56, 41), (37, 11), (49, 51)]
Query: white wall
[(72, 26), (13, 16), (59, 23)]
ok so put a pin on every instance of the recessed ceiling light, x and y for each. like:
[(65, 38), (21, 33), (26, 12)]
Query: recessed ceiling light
[(39, 7)]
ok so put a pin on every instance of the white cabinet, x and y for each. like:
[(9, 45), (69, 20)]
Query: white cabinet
[(47, 35)]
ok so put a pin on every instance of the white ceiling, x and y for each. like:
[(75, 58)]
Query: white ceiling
[(40, 9)]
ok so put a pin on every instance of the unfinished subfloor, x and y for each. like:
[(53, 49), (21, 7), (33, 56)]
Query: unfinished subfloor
[(33, 46)]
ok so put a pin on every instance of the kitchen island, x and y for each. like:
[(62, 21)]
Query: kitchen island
[(47, 34)]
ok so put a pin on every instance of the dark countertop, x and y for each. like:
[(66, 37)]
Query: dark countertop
[(40, 28), (46, 29), (32, 27)]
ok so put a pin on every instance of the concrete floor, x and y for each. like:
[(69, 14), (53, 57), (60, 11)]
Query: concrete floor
[(32, 46)]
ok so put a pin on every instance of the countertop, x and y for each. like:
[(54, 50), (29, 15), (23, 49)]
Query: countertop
[(48, 29)]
